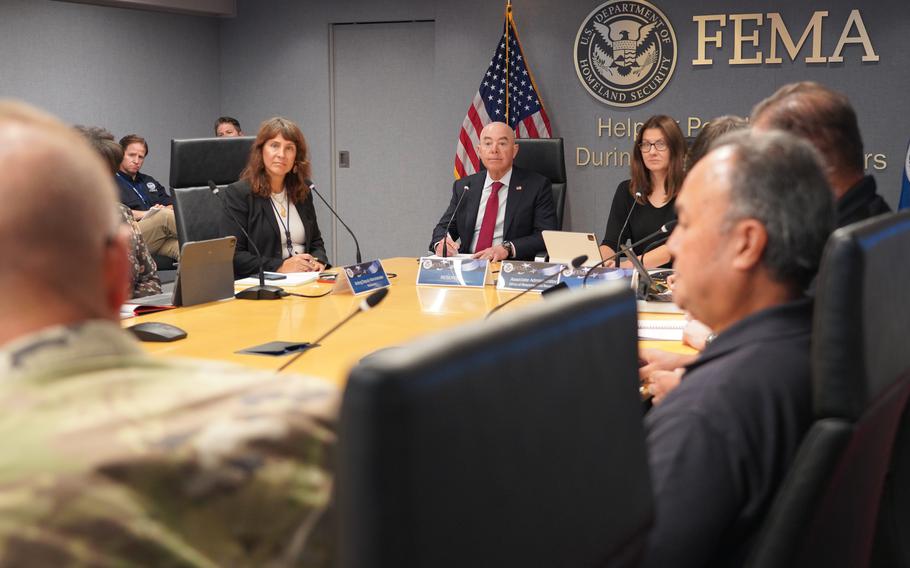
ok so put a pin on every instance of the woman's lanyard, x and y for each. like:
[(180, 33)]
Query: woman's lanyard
[(129, 182), (285, 227)]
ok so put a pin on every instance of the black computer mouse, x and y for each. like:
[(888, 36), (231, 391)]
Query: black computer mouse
[(156, 331)]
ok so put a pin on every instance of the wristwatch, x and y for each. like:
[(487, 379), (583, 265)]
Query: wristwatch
[(510, 248)]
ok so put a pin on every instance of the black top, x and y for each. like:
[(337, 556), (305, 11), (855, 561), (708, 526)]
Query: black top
[(258, 218), (645, 219), (860, 202), (720, 444), (143, 192)]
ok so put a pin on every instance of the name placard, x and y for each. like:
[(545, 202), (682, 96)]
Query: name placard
[(361, 278), (461, 272), (522, 275), (573, 278)]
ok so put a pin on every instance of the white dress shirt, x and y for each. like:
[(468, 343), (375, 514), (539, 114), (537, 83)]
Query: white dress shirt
[(291, 221), (500, 213)]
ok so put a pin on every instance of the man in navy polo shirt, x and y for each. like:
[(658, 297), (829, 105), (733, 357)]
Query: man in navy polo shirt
[(152, 207)]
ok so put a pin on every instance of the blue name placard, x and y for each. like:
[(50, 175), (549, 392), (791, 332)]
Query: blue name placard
[(362, 278), (462, 272), (574, 277), (521, 275)]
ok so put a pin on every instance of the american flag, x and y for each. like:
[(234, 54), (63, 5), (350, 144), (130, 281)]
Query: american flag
[(506, 94)]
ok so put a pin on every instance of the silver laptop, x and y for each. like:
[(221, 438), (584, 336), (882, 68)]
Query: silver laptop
[(205, 274), (563, 246)]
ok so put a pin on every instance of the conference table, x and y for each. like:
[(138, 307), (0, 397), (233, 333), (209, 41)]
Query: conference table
[(218, 330)]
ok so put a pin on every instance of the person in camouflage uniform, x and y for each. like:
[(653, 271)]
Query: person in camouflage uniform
[(142, 264), (110, 457)]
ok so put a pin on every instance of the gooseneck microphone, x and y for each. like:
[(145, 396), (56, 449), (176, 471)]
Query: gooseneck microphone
[(576, 262), (260, 292), (626, 222), (312, 187), (664, 229), (368, 303), (445, 236)]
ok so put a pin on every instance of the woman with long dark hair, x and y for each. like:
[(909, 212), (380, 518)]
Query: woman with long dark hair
[(643, 203), (272, 200)]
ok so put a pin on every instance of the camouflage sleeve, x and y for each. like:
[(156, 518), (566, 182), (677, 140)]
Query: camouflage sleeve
[(237, 478), (144, 269)]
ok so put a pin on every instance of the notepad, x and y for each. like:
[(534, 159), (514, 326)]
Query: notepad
[(661, 329)]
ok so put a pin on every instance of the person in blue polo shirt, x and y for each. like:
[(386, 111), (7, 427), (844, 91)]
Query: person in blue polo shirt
[(152, 207)]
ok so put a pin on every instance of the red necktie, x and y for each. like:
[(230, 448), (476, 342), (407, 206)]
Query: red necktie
[(488, 225)]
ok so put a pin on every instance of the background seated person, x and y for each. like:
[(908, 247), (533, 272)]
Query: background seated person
[(273, 202), (145, 281), (505, 208), (227, 126), (695, 334), (142, 194), (656, 175), (711, 132), (827, 120)]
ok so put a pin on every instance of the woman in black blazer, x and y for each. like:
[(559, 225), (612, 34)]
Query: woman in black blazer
[(272, 200)]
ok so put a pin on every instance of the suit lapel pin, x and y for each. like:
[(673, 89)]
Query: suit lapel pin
[(517, 188)]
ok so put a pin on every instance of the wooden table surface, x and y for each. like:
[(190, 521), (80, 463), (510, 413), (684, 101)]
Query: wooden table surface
[(218, 330)]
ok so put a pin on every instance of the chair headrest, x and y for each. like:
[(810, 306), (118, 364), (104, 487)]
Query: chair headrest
[(194, 161), (544, 156)]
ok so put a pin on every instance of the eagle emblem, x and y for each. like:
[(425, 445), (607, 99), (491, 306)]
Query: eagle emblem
[(627, 51)]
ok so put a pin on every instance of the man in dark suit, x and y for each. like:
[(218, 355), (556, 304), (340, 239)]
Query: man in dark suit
[(505, 208)]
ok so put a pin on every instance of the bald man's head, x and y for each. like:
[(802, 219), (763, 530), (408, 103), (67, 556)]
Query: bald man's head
[(497, 148), (58, 226)]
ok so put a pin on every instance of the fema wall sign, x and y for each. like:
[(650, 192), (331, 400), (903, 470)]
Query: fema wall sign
[(625, 52)]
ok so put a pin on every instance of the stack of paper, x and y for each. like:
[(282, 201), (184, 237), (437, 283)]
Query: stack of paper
[(293, 279), (661, 329)]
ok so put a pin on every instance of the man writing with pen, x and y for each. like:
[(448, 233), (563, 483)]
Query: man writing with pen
[(500, 212)]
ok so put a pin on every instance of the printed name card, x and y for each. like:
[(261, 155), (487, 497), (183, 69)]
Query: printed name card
[(521, 275), (361, 278), (573, 278), (461, 272)]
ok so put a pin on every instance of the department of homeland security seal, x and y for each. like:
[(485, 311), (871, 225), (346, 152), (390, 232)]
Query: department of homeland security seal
[(625, 52)]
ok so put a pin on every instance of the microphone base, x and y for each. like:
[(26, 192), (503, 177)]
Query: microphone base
[(261, 293)]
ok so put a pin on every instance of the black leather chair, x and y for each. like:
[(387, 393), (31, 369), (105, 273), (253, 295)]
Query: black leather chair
[(892, 538), (197, 212), (515, 442), (825, 512), (193, 163), (546, 157)]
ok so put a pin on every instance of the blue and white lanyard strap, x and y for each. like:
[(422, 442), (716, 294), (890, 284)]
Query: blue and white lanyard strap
[(133, 187)]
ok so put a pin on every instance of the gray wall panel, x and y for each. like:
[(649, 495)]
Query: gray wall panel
[(396, 61), (127, 70)]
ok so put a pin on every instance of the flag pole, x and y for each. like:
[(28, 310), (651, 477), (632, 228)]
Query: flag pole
[(508, 71), (522, 52)]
